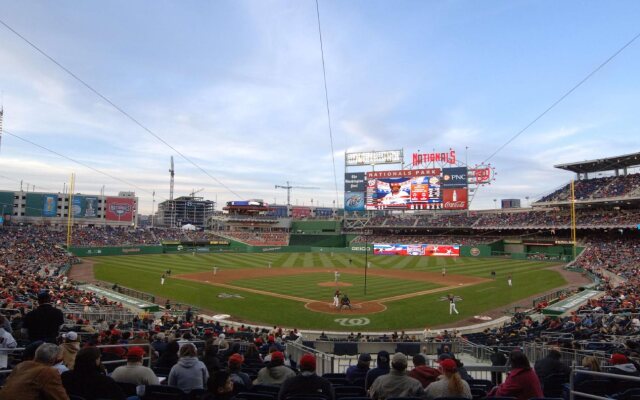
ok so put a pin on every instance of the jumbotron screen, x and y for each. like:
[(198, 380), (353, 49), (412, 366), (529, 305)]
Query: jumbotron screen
[(417, 189), (417, 250)]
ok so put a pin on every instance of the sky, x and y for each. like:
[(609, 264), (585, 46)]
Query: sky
[(237, 87)]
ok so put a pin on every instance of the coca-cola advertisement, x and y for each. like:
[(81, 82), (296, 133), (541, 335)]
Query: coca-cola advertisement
[(455, 199)]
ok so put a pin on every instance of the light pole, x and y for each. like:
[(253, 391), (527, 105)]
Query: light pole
[(366, 258)]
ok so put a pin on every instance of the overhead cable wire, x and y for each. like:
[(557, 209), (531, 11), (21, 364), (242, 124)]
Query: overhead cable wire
[(564, 96), (326, 97), (79, 163), (118, 108)]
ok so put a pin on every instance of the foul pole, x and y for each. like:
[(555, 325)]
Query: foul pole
[(573, 218), (72, 185)]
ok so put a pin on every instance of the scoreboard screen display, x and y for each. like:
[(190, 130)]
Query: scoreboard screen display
[(419, 189)]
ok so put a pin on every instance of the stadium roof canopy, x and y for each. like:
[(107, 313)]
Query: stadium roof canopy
[(602, 164)]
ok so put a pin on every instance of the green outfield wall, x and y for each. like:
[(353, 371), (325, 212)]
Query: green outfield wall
[(114, 251)]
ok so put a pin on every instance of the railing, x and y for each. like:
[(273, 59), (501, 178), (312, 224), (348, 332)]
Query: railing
[(606, 375), (536, 351), (148, 297)]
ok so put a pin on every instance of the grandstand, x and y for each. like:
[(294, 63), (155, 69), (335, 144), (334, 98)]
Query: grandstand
[(607, 216)]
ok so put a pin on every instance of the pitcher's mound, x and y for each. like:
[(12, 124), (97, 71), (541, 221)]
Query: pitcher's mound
[(332, 284), (357, 308)]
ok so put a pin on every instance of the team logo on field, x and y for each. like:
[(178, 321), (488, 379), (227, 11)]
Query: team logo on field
[(475, 251), (353, 321), (120, 209), (229, 296)]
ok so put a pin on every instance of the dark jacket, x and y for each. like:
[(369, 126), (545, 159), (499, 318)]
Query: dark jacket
[(382, 368), (357, 372), (43, 323), (550, 365), (307, 383), (91, 385)]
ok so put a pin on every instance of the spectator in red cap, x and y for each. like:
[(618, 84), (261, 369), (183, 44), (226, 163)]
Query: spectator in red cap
[(134, 372), (522, 381), (622, 365), (449, 384), (307, 383), (275, 372), (241, 380)]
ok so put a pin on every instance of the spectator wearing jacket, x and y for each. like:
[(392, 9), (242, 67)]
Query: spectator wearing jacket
[(275, 373), (44, 322), (522, 381), (422, 372), (397, 383), (307, 383), (358, 373), (37, 379), (134, 372), (382, 368), (449, 384), (88, 379), (189, 373)]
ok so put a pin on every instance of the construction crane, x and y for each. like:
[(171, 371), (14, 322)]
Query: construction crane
[(289, 187), (194, 192)]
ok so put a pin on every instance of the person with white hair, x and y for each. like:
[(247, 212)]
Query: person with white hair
[(6, 342), (36, 379)]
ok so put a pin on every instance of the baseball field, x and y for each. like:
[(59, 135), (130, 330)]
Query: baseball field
[(296, 289)]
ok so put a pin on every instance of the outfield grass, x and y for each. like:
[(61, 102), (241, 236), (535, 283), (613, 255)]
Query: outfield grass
[(142, 272)]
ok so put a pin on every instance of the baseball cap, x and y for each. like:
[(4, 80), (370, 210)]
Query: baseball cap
[(70, 336), (399, 358), (236, 359), (364, 357), (448, 365), (308, 362), (135, 352), (618, 358), (277, 355)]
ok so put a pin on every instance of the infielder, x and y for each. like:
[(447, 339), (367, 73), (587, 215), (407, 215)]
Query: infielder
[(452, 305), (509, 281), (336, 276), (162, 279)]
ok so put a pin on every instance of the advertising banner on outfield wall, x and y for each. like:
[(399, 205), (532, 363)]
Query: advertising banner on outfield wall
[(119, 209), (85, 207), (429, 250), (50, 206), (354, 182), (354, 201)]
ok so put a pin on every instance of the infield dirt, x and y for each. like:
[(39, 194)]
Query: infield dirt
[(223, 278)]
